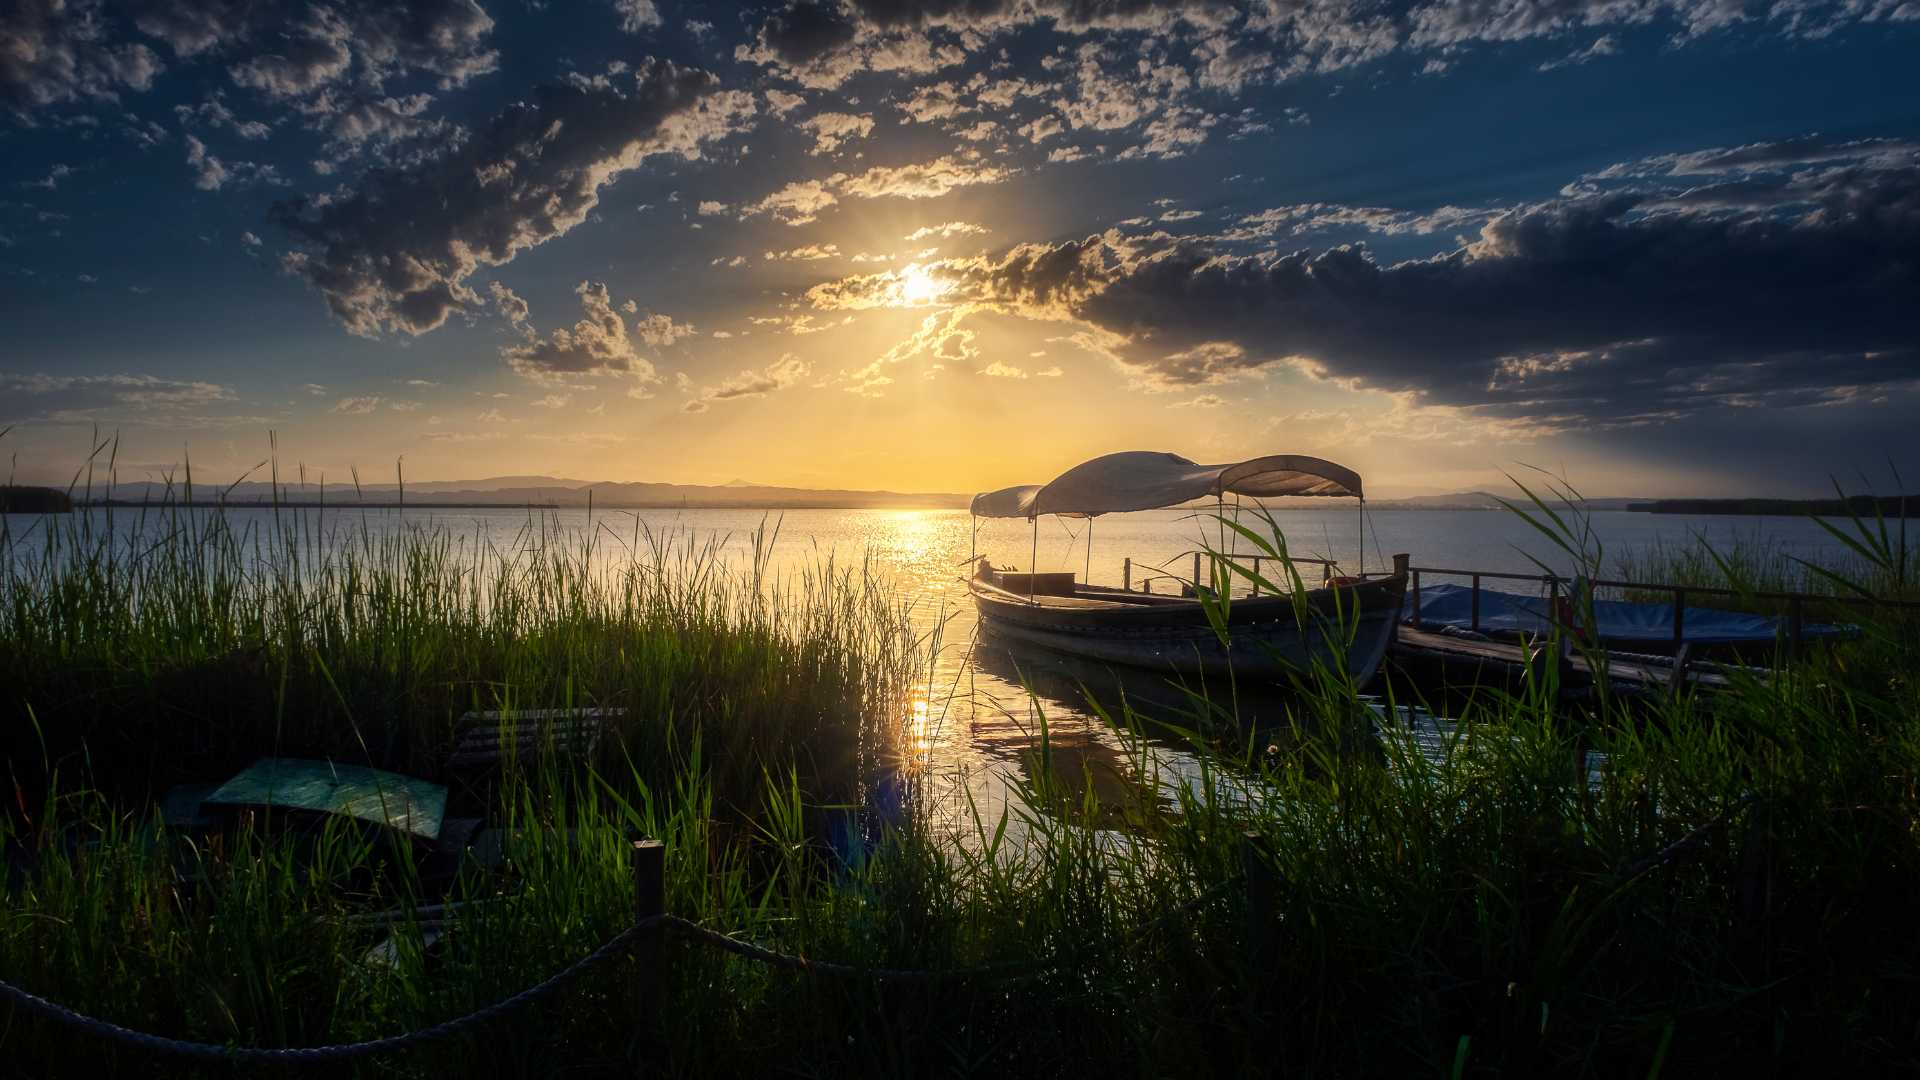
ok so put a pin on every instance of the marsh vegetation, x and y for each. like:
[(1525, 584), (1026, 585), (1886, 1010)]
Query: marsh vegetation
[(1326, 897)]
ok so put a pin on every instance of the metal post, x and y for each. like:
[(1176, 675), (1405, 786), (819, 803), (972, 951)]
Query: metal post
[(649, 858), (1679, 615), (1196, 573), (1033, 559), (1086, 576), (1476, 604), (1363, 536), (1263, 899), (1416, 600), (1126, 574)]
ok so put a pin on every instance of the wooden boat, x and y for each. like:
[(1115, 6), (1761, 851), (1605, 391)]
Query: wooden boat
[(1266, 636), (1348, 622)]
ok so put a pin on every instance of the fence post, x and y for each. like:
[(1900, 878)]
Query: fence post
[(1416, 600), (650, 899), (1196, 573), (1263, 899), (1476, 604), (1679, 615), (1126, 574)]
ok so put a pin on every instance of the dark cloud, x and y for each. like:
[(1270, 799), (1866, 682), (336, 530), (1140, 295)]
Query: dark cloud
[(290, 48), (1611, 308), (55, 53), (601, 343), (395, 254)]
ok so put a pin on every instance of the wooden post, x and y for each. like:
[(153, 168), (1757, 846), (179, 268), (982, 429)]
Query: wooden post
[(1416, 600), (649, 859), (1263, 899), (1679, 616), (1476, 604), (1126, 574), (1196, 573)]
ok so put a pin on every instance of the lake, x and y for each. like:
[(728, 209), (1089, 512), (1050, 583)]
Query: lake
[(973, 727)]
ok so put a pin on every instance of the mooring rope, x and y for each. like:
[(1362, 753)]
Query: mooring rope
[(619, 943)]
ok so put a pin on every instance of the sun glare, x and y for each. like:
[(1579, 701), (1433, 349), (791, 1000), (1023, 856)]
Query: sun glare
[(918, 286)]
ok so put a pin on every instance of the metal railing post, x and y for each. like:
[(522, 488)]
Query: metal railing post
[(1416, 600), (1679, 615), (649, 900), (1476, 604), (1196, 573), (1126, 575)]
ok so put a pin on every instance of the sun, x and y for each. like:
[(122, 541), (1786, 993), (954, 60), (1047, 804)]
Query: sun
[(919, 286)]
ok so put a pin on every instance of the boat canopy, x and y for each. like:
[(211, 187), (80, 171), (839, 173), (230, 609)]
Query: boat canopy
[(1149, 480)]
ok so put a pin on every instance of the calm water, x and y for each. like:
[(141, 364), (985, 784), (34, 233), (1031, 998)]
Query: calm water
[(974, 728)]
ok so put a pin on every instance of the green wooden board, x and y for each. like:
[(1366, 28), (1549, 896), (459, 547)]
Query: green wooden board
[(399, 802)]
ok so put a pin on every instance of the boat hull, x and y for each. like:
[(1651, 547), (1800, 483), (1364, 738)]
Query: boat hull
[(1267, 637)]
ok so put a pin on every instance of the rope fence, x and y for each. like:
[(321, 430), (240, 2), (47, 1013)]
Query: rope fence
[(650, 920)]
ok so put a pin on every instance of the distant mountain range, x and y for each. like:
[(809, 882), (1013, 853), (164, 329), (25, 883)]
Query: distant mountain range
[(735, 494), (1481, 500), (543, 491)]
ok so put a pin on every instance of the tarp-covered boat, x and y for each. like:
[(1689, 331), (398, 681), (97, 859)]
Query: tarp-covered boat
[(1348, 623), (1618, 622)]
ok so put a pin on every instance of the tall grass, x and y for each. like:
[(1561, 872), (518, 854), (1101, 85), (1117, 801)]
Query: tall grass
[(1728, 894)]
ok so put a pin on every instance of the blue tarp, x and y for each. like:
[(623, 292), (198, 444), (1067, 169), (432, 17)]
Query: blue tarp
[(1618, 620)]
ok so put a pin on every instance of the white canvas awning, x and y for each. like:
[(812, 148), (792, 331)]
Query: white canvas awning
[(1007, 502), (1149, 480)]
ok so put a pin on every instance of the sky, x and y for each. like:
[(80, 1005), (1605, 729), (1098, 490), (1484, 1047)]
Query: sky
[(1659, 247)]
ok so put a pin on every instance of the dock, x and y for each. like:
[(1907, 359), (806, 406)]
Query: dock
[(1469, 660)]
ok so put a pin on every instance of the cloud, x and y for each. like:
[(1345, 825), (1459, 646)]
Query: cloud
[(710, 208), (1317, 217), (831, 130), (215, 114), (1604, 45), (357, 406), (290, 49), (798, 203), (637, 16), (52, 179), (660, 330), (787, 371), (551, 401), (804, 254), (512, 307), (820, 45), (56, 53), (96, 398), (213, 174), (1204, 401), (926, 180), (950, 229), (599, 344), (395, 255), (1000, 369), (1607, 309), (802, 201)]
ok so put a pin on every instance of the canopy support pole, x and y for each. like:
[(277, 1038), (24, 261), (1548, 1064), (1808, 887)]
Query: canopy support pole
[(1033, 560), (1363, 536), (1086, 576)]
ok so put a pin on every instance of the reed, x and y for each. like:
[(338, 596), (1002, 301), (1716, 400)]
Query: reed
[(1729, 891)]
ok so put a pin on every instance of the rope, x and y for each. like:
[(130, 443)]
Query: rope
[(318, 1055), (619, 943)]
